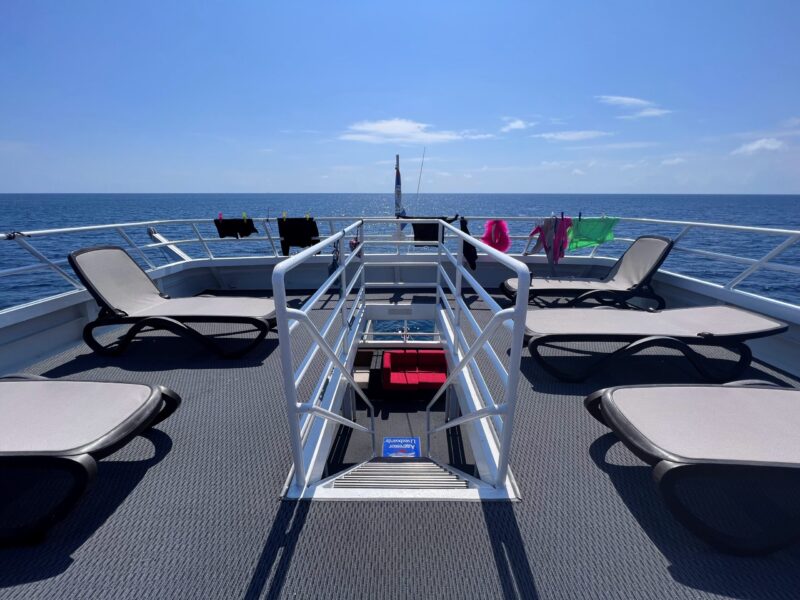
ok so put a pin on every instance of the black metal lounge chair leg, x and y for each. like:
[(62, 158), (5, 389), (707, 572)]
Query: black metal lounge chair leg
[(263, 328), (592, 404), (698, 361), (601, 297), (82, 468), (533, 348), (112, 349), (668, 476), (170, 403), (649, 293), (173, 326)]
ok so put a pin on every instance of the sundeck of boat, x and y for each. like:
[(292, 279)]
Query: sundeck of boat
[(341, 458)]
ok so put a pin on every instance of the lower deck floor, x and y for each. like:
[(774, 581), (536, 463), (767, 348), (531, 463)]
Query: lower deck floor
[(193, 509)]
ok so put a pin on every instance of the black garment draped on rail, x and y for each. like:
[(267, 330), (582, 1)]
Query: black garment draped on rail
[(297, 231), (428, 232), (237, 228)]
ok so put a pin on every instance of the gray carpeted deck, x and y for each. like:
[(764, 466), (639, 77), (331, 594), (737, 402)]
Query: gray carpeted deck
[(193, 510)]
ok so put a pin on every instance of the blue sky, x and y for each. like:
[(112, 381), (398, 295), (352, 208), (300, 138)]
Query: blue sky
[(640, 97)]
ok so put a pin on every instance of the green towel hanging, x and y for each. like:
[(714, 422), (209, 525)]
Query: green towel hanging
[(586, 233)]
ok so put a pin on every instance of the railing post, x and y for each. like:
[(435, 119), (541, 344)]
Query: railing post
[(279, 294), (22, 242), (342, 279), (269, 235), (459, 282), (133, 245), (510, 400), (762, 261), (202, 241)]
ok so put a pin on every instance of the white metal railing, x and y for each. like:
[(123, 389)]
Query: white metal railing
[(499, 416), (338, 355), (265, 244)]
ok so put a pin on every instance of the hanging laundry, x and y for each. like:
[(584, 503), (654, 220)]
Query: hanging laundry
[(586, 233), (496, 235), (237, 228), (469, 251), (301, 232), (428, 233), (561, 238), (546, 228)]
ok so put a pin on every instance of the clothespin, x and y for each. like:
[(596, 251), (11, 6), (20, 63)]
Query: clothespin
[(308, 216), (579, 215), (219, 216), (284, 215), (244, 215)]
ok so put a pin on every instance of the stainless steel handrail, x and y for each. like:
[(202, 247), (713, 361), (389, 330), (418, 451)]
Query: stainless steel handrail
[(465, 354), (288, 317), (750, 266)]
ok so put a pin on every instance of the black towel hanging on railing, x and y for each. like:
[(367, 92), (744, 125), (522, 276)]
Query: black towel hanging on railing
[(237, 228), (297, 231), (470, 252), (427, 233)]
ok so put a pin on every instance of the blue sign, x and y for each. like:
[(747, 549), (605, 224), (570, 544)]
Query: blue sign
[(401, 447)]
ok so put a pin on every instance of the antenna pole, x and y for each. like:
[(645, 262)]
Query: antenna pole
[(420, 171)]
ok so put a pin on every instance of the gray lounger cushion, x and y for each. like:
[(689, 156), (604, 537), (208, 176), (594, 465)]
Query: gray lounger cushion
[(57, 417), (53, 432), (218, 306), (681, 323), (577, 284), (633, 268), (710, 423), (127, 296), (726, 459), (121, 284)]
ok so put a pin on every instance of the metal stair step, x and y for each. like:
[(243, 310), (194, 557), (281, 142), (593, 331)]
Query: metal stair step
[(419, 474)]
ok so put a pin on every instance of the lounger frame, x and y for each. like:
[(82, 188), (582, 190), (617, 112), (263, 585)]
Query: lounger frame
[(669, 472), (112, 316), (80, 464), (733, 343), (603, 297)]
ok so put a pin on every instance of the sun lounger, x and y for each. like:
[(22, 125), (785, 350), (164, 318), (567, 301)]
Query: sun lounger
[(678, 328), (56, 428), (127, 296), (630, 277), (741, 438)]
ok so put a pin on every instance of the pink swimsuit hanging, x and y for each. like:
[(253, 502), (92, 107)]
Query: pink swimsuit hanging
[(496, 235)]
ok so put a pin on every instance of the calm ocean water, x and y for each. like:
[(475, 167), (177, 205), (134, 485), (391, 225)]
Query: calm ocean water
[(43, 211)]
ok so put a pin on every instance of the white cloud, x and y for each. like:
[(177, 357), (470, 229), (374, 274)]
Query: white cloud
[(791, 122), (555, 164), (647, 112), (759, 145), (578, 172), (646, 107), (626, 101), (616, 146), (514, 124), (404, 131), (677, 160), (469, 135), (571, 136)]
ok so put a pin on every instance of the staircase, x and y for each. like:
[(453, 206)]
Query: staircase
[(403, 473)]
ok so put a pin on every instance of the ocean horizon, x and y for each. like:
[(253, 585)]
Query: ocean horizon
[(29, 212)]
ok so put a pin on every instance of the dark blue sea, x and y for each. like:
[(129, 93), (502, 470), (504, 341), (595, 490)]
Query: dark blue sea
[(28, 212)]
